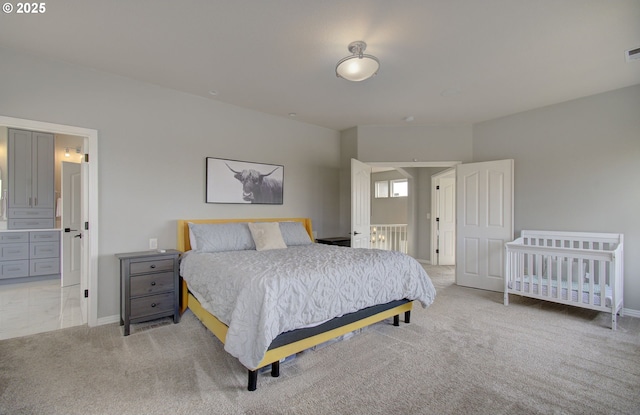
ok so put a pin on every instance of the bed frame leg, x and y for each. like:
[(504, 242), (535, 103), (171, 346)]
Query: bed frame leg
[(407, 316), (253, 380), (275, 369), (396, 320)]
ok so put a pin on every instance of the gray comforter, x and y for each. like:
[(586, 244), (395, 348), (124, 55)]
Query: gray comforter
[(260, 294)]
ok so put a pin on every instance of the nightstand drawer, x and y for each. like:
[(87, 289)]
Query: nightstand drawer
[(152, 283), (151, 266), (152, 304)]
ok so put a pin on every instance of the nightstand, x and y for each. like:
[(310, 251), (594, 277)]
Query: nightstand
[(340, 240), (149, 286)]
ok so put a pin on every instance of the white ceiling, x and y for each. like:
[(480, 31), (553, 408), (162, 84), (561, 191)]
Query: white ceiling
[(442, 62)]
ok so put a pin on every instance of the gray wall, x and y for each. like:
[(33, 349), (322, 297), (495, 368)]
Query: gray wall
[(152, 147), (414, 143), (577, 168)]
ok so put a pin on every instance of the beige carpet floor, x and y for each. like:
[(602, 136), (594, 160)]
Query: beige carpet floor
[(466, 354)]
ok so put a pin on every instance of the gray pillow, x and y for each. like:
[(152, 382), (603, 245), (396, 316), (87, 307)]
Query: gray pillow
[(294, 233), (218, 237)]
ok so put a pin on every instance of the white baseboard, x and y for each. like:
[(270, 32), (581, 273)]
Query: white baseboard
[(631, 313), (424, 261)]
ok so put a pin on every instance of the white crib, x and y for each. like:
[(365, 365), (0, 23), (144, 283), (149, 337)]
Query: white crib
[(575, 268)]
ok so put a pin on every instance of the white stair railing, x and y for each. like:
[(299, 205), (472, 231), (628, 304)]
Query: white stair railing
[(392, 237)]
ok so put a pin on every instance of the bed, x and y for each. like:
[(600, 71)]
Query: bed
[(288, 299), (575, 268)]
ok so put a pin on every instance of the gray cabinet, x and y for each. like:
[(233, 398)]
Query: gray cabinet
[(149, 286), (29, 254), (30, 159)]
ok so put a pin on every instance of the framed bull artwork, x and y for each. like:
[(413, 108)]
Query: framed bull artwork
[(234, 181)]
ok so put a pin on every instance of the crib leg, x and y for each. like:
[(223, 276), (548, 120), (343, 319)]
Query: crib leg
[(253, 380), (396, 320), (407, 316), (275, 369)]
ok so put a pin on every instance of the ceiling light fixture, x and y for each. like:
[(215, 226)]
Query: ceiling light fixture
[(359, 66)]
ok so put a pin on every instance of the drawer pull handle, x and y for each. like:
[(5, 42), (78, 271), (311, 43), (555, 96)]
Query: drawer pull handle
[(153, 266), (153, 283), (153, 304), (13, 269)]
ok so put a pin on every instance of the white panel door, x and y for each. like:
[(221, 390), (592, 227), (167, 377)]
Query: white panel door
[(446, 221), (484, 222), (71, 223), (360, 204)]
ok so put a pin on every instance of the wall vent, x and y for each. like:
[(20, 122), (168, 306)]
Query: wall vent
[(632, 55)]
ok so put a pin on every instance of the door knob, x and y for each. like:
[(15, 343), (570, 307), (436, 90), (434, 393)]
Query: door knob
[(78, 236)]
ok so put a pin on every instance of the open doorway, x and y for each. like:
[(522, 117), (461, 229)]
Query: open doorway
[(86, 141), (484, 218), (419, 209)]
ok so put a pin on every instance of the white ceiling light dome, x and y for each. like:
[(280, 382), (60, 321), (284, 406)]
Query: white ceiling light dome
[(357, 67)]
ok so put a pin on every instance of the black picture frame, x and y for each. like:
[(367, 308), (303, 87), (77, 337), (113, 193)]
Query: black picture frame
[(244, 182)]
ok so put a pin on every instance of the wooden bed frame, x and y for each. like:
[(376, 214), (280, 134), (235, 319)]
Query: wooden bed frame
[(295, 341)]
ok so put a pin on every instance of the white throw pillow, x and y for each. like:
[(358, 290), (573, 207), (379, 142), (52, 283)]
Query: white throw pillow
[(267, 235)]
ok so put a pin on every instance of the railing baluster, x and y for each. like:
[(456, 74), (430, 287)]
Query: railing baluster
[(391, 237)]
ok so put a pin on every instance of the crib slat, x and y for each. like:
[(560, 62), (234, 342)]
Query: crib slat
[(539, 273), (592, 283), (559, 261), (580, 280), (530, 272), (570, 279), (602, 280)]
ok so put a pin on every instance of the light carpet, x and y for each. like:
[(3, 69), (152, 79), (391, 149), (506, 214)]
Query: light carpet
[(466, 354)]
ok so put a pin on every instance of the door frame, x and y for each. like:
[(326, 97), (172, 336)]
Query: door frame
[(412, 230), (90, 192)]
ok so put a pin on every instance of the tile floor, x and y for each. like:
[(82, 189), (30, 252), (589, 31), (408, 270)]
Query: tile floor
[(36, 307)]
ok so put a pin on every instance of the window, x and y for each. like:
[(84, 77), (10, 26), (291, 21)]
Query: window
[(399, 188), (382, 189), (391, 188)]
